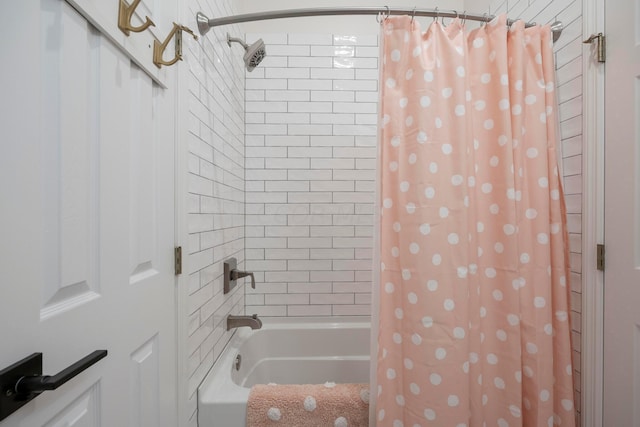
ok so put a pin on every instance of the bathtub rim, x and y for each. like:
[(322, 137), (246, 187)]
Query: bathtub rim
[(207, 394)]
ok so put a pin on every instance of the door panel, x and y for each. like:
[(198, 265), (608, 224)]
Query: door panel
[(70, 161), (145, 399), (86, 221), (142, 236), (622, 221), (83, 412)]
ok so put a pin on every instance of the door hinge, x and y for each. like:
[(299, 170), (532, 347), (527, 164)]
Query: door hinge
[(177, 256), (600, 257), (601, 47)]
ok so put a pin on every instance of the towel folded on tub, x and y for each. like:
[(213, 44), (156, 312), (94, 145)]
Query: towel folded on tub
[(315, 405)]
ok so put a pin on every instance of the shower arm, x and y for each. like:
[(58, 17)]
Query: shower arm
[(205, 24), (236, 40)]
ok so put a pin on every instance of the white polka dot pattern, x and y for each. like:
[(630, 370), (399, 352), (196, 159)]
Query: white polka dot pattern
[(474, 295), (341, 405), (274, 414)]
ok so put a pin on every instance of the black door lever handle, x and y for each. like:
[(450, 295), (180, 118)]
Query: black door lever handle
[(40, 383), (23, 381)]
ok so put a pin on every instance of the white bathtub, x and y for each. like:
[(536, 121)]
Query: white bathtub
[(284, 351)]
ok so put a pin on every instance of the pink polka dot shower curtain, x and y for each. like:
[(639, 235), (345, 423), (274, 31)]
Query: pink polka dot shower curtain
[(474, 327)]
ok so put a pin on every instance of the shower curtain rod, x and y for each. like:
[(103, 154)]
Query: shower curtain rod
[(204, 23)]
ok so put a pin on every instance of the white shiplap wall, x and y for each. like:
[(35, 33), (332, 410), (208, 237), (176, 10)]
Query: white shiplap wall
[(215, 190), (568, 51), (311, 112)]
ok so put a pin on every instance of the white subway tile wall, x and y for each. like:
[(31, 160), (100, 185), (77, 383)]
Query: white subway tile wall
[(568, 52), (216, 190), (309, 172), (311, 116)]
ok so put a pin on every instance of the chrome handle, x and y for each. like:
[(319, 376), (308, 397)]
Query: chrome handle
[(236, 274), (231, 274)]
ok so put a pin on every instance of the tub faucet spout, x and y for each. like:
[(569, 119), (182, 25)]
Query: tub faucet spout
[(238, 321)]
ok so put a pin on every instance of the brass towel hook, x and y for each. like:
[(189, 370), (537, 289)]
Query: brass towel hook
[(159, 48), (125, 13)]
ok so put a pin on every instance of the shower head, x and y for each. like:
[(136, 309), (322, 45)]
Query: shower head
[(253, 55)]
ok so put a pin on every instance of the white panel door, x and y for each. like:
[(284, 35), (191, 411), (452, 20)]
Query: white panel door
[(622, 216), (86, 221)]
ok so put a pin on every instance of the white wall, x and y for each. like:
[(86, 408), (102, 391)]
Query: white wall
[(217, 123), (215, 190), (568, 53), (477, 6), (311, 115), (331, 24)]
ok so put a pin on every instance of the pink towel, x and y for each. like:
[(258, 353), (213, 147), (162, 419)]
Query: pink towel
[(317, 405)]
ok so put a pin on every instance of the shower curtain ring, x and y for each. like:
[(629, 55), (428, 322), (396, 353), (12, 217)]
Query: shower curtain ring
[(485, 19), (464, 18), (413, 14), (381, 17), (457, 17)]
